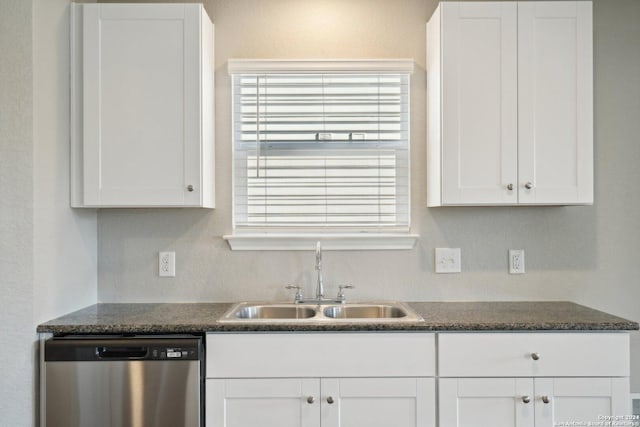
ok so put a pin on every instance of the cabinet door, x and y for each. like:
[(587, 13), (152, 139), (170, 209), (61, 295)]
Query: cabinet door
[(378, 402), (482, 402), (141, 105), (479, 103), (263, 402), (580, 400), (555, 102)]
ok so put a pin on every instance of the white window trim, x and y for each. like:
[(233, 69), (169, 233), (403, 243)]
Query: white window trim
[(270, 240), (330, 241)]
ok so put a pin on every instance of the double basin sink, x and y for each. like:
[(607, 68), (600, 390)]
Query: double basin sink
[(247, 312)]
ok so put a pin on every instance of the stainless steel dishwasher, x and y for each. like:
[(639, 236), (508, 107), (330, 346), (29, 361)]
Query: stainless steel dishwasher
[(124, 381)]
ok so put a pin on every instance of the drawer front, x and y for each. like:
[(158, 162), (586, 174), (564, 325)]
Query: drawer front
[(564, 354), (272, 355)]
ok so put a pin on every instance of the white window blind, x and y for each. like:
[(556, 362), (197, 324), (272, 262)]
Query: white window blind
[(321, 150)]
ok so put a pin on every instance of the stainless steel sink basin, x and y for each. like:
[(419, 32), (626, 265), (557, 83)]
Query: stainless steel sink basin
[(374, 311), (290, 311), (326, 312)]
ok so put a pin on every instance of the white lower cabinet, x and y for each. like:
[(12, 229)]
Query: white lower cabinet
[(278, 402), (374, 379), (378, 402), (529, 402), (532, 379), (334, 402), (382, 379), (563, 400), (485, 402)]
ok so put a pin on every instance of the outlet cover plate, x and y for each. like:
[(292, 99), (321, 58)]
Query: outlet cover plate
[(516, 261), (448, 260), (167, 264)]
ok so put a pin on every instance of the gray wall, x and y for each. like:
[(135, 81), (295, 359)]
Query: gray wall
[(16, 213), (582, 254), (65, 250), (48, 252)]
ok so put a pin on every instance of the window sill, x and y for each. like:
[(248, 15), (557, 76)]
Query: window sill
[(331, 242)]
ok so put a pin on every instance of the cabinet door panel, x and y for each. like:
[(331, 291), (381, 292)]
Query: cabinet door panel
[(580, 400), (378, 402), (481, 402), (262, 402), (555, 102), (141, 103), (479, 102)]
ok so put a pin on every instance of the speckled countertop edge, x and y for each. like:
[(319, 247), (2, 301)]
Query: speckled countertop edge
[(168, 318)]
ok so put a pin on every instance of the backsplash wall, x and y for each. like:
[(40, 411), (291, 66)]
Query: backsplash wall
[(582, 254)]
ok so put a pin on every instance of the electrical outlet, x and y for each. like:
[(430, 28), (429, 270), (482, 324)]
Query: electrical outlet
[(516, 261), (167, 264), (448, 260)]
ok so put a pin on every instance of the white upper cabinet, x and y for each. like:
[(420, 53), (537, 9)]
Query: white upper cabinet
[(510, 103), (472, 68), (142, 105), (555, 102)]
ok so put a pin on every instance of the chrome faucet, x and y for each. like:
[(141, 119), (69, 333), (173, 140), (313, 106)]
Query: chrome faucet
[(320, 285), (340, 298)]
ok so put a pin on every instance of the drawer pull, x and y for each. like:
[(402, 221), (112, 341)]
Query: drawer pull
[(545, 399), (310, 400), (535, 356), (526, 399), (330, 400)]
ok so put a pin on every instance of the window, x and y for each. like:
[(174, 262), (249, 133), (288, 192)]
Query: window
[(321, 146)]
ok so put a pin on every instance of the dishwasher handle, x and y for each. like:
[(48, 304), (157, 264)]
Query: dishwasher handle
[(122, 352)]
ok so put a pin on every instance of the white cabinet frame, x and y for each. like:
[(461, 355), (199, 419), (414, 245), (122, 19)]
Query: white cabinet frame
[(510, 103), (141, 106)]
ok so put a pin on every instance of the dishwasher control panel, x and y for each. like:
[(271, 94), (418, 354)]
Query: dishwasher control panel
[(105, 348), (184, 353)]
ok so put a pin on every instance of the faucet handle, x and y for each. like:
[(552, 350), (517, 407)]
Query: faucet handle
[(298, 296), (341, 296)]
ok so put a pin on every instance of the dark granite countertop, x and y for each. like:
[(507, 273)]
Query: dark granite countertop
[(169, 318)]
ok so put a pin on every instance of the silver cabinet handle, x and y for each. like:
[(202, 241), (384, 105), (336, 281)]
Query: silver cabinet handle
[(535, 356), (545, 399), (526, 399), (310, 399), (528, 186), (330, 400), (510, 187), (189, 188)]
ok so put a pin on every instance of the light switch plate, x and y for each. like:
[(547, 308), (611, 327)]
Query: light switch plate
[(448, 260)]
